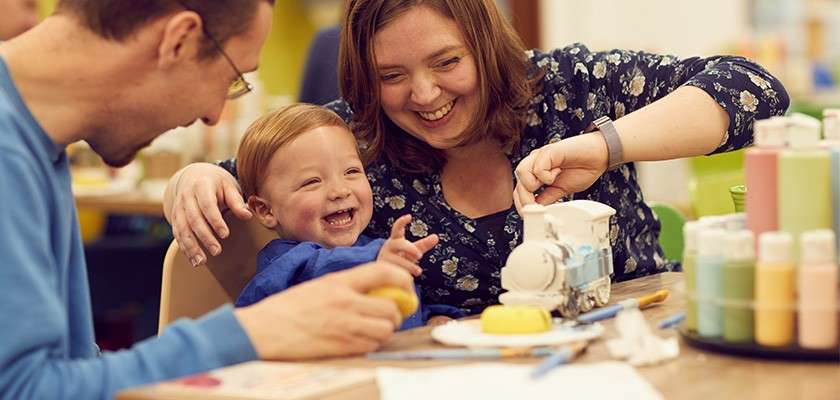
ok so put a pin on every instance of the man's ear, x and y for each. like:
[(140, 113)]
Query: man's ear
[(182, 38), (262, 210)]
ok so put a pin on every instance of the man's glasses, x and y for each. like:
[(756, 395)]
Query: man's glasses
[(239, 87)]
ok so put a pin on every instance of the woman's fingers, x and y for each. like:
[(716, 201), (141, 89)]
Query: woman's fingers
[(548, 162), (235, 202), (198, 225), (186, 241), (551, 195)]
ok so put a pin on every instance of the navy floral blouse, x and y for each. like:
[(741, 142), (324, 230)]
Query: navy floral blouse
[(579, 86)]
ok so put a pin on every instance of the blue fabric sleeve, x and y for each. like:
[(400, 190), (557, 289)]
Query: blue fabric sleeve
[(304, 262), (47, 350), (308, 261)]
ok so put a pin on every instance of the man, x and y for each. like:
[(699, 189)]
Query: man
[(116, 74), (17, 17)]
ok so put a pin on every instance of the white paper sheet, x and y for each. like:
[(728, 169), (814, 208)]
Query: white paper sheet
[(488, 381)]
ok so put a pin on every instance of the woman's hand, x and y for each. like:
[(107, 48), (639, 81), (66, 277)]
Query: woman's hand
[(400, 251), (565, 167), (193, 204)]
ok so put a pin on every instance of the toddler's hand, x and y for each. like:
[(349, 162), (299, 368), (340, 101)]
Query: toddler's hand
[(398, 250), (438, 320)]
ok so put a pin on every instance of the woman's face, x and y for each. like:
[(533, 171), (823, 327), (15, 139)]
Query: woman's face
[(427, 76)]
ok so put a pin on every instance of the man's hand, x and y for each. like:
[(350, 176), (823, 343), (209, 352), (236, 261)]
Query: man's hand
[(193, 204), (327, 317), (400, 251)]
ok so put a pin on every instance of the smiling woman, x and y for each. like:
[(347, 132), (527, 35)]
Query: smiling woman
[(456, 68), (447, 102)]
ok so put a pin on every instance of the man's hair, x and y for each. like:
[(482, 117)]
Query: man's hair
[(504, 85), (271, 132), (119, 19)]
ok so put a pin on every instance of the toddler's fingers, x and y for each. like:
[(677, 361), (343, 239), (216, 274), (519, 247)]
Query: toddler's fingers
[(427, 243), (398, 229)]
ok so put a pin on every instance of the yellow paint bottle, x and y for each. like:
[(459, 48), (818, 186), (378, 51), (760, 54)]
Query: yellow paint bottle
[(775, 290)]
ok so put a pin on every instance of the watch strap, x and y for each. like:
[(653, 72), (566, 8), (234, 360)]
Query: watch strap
[(615, 151)]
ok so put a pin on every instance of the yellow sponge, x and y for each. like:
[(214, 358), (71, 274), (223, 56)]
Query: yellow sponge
[(506, 319), (406, 301)]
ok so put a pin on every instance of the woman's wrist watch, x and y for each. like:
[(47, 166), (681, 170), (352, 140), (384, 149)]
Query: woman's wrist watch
[(615, 152)]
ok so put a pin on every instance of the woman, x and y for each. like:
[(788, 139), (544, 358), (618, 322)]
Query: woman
[(448, 103)]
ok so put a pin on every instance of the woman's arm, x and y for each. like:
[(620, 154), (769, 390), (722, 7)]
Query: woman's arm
[(663, 108)]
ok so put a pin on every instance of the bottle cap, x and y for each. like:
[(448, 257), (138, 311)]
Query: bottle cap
[(817, 247), (770, 133), (831, 124), (831, 112), (710, 242), (739, 246), (775, 247), (735, 222), (713, 221), (803, 131), (690, 230)]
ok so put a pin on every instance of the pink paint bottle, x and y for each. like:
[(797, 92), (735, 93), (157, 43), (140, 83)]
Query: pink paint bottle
[(761, 169), (817, 290)]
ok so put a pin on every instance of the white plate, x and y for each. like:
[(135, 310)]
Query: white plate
[(468, 333)]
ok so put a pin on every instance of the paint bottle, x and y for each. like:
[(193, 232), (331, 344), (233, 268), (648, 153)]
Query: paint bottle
[(738, 285), (708, 284), (760, 170), (818, 292), (831, 142), (689, 264), (804, 187), (775, 289)]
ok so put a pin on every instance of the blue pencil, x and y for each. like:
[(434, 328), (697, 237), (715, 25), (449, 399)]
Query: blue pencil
[(672, 321), (460, 354), (560, 357)]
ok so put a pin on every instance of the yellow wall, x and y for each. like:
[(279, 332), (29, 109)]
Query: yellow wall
[(45, 7), (284, 54)]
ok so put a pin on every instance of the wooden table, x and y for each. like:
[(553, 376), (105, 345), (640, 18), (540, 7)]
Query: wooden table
[(127, 203), (693, 375)]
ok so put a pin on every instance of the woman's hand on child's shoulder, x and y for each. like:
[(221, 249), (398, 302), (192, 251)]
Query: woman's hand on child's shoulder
[(402, 252)]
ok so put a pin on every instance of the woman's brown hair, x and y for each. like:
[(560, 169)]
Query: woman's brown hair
[(505, 88), (272, 131)]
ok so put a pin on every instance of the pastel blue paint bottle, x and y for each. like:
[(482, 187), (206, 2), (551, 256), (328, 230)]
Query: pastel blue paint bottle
[(709, 281), (831, 141)]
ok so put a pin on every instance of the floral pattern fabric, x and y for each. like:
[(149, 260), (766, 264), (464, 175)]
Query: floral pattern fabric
[(578, 87)]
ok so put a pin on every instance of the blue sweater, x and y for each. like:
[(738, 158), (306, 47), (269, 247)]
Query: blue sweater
[(285, 263), (47, 348)]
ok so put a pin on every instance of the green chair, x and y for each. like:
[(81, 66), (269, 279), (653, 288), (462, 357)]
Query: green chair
[(671, 231), (712, 176)]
